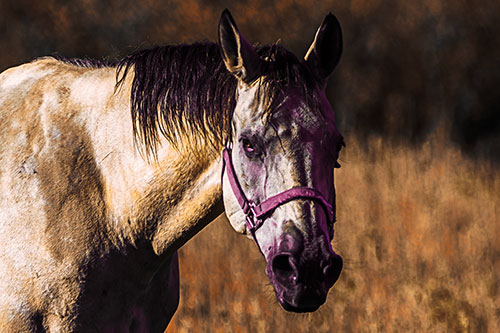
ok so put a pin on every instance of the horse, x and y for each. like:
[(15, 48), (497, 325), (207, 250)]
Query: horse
[(108, 168)]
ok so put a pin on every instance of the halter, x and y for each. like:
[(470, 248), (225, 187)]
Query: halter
[(257, 213)]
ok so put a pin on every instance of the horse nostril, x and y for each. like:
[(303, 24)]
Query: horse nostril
[(284, 269), (332, 271)]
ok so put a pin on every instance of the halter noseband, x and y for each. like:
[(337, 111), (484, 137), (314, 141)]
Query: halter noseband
[(256, 213)]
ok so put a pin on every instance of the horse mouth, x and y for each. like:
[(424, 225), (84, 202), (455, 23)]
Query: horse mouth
[(307, 304)]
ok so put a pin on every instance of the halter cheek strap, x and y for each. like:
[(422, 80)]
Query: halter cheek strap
[(256, 213)]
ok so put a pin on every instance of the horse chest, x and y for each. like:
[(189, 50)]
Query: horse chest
[(115, 297), (122, 295)]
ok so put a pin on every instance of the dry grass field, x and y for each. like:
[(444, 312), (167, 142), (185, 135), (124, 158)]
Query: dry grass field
[(419, 230)]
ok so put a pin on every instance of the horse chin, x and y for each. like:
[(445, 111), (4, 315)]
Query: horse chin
[(299, 301)]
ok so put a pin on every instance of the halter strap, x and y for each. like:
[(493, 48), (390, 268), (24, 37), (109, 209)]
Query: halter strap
[(256, 213)]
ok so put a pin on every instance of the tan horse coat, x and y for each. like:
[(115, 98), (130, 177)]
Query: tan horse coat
[(89, 228)]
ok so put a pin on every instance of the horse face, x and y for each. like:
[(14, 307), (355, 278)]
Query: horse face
[(287, 143)]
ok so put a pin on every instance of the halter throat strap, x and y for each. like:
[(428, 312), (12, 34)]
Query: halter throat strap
[(257, 213)]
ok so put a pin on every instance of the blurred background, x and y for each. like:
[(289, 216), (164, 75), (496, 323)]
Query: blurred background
[(416, 95)]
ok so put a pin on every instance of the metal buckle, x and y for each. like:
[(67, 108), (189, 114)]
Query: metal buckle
[(251, 217)]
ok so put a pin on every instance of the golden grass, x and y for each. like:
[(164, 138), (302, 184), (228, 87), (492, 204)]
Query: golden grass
[(419, 230)]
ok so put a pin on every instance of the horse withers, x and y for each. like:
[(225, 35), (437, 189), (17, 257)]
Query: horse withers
[(106, 169)]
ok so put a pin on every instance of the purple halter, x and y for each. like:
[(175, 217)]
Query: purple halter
[(256, 213)]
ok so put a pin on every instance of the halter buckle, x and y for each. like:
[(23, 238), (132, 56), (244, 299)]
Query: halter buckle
[(251, 217)]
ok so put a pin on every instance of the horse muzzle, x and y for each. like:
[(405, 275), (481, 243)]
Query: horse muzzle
[(302, 280)]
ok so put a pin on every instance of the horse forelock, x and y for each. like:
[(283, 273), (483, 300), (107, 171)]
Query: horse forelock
[(283, 73)]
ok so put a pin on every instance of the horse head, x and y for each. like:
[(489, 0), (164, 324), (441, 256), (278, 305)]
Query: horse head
[(280, 155)]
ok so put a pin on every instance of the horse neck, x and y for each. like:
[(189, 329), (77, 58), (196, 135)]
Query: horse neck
[(193, 193), (163, 202)]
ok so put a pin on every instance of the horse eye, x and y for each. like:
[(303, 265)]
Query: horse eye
[(247, 146)]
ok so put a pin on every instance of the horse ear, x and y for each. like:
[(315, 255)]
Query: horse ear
[(239, 56), (324, 53)]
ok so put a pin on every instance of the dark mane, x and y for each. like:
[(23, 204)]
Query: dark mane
[(185, 91), (85, 62), (179, 90)]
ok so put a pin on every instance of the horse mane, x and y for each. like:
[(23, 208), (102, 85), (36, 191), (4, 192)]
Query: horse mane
[(85, 62), (185, 93), (181, 92)]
